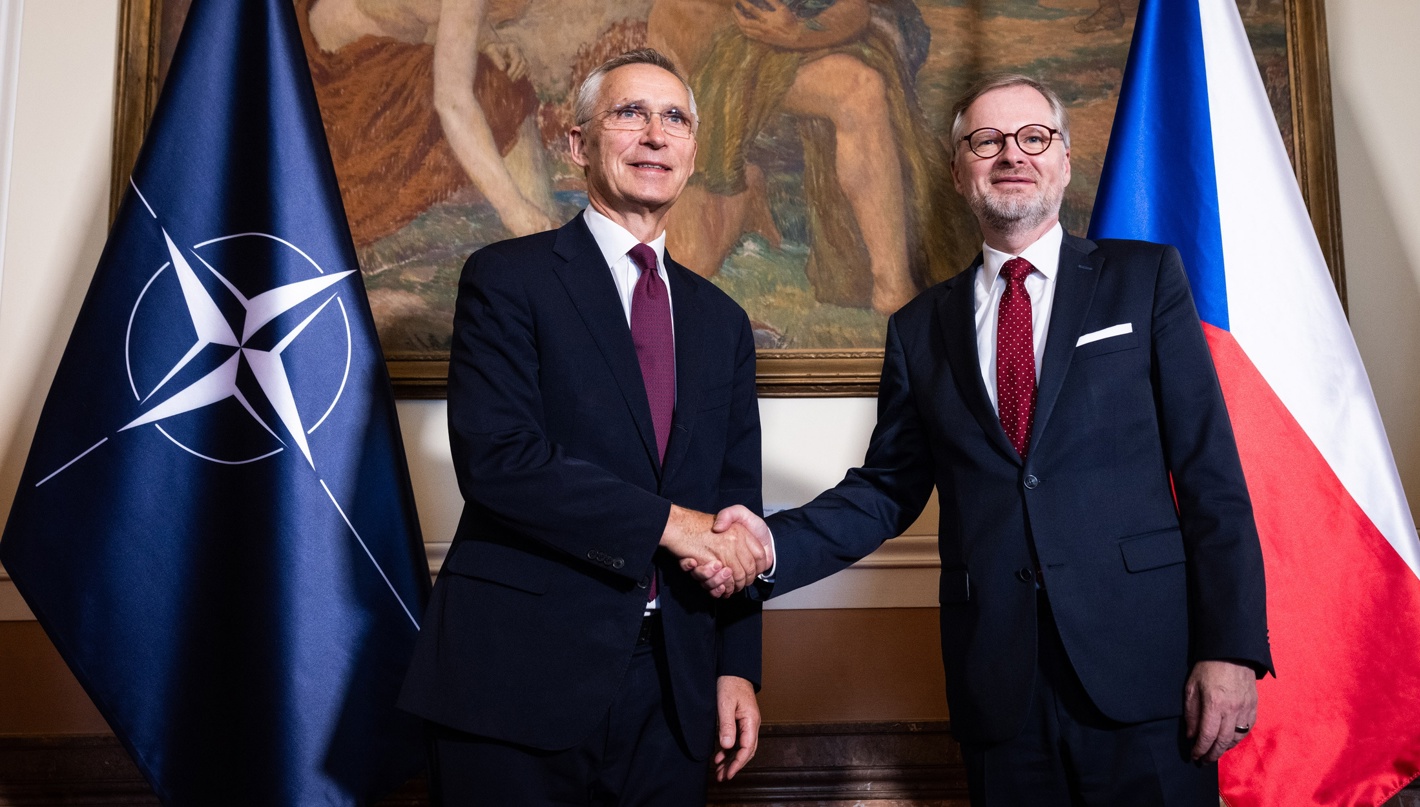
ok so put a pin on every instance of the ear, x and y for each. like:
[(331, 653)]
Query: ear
[(1067, 166), (577, 144), (955, 167)]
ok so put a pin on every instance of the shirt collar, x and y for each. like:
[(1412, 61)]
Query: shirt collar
[(615, 241), (1044, 255)]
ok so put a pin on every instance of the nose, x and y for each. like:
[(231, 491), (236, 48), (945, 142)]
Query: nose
[(1011, 151), (654, 134)]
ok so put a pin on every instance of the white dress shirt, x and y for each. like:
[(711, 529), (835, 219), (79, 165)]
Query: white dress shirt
[(616, 242), (1044, 255)]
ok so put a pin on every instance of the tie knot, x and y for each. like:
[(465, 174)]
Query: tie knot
[(644, 257), (1016, 269)]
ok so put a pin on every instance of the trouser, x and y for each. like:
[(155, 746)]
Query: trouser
[(1069, 754), (634, 757)]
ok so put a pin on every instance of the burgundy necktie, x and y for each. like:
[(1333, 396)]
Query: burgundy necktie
[(1015, 356), (655, 348)]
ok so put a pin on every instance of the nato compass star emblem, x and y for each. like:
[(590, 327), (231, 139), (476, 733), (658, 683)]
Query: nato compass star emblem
[(226, 351), (230, 337)]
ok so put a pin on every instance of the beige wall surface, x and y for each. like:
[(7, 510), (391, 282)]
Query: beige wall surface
[(58, 212), (1375, 87)]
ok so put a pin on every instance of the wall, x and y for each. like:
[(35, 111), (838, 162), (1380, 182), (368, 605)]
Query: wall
[(875, 660), (1375, 83)]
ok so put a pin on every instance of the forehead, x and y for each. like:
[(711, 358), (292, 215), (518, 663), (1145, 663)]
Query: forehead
[(1008, 109), (643, 82)]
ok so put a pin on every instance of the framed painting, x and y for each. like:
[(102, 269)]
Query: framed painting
[(821, 200)]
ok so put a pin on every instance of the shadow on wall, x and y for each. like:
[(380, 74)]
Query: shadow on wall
[(1382, 286), (83, 260)]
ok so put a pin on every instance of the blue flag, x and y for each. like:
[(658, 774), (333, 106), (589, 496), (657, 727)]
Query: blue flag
[(215, 524)]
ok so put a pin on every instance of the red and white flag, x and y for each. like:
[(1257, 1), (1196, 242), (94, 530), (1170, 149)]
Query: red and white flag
[(1196, 160)]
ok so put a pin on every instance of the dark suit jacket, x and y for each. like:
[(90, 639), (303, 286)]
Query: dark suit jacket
[(535, 615), (1139, 586)]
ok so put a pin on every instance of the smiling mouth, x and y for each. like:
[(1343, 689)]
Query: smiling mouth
[(652, 166)]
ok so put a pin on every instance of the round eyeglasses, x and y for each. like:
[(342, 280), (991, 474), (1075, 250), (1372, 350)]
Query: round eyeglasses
[(1032, 139), (634, 118)]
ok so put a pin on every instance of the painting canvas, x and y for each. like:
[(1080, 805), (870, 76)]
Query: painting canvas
[(822, 199)]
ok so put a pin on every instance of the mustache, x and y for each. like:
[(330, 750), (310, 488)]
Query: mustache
[(1023, 173)]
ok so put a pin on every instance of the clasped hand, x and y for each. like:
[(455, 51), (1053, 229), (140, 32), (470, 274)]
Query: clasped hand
[(725, 553), (721, 578)]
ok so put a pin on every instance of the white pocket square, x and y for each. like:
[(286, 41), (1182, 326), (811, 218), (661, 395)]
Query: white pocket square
[(1105, 333)]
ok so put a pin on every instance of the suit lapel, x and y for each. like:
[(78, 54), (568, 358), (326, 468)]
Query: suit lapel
[(956, 312), (1074, 290), (690, 339), (587, 278)]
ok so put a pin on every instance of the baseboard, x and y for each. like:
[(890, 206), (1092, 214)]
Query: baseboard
[(818, 762), (796, 763)]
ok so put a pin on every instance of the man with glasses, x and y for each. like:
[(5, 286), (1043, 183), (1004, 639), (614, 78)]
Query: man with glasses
[(601, 402), (1102, 604)]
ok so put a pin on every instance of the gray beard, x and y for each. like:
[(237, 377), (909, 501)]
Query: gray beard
[(1012, 215)]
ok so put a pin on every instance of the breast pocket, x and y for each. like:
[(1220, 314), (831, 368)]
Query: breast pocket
[(1110, 344)]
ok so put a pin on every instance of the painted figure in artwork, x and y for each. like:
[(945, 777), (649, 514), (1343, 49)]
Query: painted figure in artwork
[(420, 99), (844, 70)]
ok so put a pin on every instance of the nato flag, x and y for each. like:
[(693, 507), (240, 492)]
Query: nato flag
[(215, 524)]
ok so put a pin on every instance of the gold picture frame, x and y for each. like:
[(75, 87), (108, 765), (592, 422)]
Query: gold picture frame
[(146, 43)]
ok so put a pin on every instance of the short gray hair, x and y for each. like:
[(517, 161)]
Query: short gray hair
[(585, 106), (998, 81)]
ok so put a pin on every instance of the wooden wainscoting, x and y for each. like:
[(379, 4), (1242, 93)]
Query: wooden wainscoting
[(914, 764), (799, 765)]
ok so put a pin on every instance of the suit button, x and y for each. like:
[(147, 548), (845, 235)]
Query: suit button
[(1025, 575), (1031, 482), (644, 582), (617, 563)]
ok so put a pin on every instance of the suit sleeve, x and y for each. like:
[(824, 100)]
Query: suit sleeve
[(739, 618), (503, 458), (1227, 592), (873, 503)]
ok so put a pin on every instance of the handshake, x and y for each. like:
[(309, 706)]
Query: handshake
[(724, 552)]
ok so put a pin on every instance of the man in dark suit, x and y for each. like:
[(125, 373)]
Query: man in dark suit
[(1102, 605), (565, 657)]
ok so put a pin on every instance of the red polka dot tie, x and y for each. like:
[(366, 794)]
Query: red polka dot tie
[(1015, 356)]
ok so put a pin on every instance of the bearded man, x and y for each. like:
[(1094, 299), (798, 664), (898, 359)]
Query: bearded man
[(1102, 601)]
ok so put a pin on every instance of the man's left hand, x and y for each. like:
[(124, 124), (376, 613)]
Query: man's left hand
[(1219, 698), (739, 725)]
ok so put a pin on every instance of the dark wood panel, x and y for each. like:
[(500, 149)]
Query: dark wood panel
[(853, 666), (909, 763)]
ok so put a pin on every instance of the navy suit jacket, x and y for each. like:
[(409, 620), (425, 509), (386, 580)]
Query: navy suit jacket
[(535, 614), (1141, 584)]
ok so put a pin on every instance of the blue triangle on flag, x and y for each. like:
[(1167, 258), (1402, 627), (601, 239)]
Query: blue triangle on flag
[(1159, 182)]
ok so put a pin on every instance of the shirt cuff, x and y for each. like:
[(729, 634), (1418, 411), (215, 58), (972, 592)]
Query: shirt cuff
[(768, 576)]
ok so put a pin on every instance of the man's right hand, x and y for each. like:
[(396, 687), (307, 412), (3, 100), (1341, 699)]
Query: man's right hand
[(717, 579), (735, 553)]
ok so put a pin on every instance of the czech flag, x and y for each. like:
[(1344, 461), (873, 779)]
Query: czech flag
[(1196, 160)]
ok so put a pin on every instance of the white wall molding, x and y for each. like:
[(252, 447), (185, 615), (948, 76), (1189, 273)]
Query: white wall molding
[(11, 14), (901, 574)]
